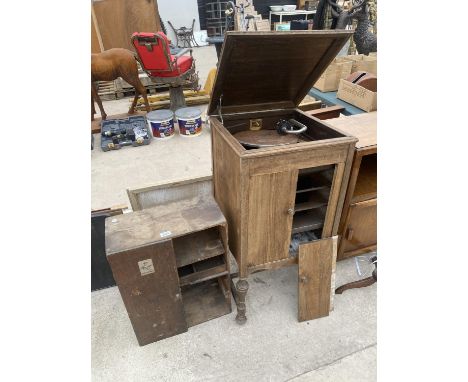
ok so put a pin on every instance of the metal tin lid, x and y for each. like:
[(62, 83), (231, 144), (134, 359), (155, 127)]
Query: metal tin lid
[(271, 70), (160, 115), (188, 112)]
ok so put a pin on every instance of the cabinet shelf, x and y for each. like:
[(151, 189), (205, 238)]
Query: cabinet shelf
[(311, 200), (314, 181), (202, 271), (197, 246), (308, 220)]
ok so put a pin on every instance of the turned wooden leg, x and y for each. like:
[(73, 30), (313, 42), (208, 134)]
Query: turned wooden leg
[(242, 286)]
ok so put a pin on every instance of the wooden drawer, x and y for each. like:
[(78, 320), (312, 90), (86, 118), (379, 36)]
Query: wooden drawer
[(360, 235)]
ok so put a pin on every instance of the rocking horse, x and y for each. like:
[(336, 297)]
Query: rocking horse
[(108, 66)]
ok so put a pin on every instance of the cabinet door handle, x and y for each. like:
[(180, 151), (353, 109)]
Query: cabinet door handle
[(350, 234), (291, 211)]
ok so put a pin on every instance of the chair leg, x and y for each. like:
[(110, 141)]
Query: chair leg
[(177, 97)]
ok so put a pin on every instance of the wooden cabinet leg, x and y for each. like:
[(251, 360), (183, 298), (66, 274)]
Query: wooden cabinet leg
[(242, 286)]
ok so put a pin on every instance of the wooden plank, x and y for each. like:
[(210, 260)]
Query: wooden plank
[(206, 274), (190, 101), (96, 40), (315, 271), (197, 246), (163, 193), (149, 286), (270, 214)]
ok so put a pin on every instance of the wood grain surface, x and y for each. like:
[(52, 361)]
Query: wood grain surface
[(270, 198), (153, 300), (118, 19), (315, 271)]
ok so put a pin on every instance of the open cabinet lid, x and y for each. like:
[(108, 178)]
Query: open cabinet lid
[(271, 70)]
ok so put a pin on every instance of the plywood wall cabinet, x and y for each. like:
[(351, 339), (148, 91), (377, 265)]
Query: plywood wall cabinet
[(267, 194)]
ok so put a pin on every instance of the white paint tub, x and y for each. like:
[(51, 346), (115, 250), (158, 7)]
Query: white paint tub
[(161, 123), (189, 120)]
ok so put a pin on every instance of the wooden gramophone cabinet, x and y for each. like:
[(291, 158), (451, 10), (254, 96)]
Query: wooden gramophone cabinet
[(269, 193)]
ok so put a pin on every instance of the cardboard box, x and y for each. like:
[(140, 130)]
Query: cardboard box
[(357, 95), (364, 63), (330, 79)]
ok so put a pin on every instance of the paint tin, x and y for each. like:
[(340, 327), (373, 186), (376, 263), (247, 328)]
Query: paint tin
[(161, 123), (189, 120)]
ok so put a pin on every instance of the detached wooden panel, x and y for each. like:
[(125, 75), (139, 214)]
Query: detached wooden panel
[(149, 285), (118, 19), (271, 209), (315, 278)]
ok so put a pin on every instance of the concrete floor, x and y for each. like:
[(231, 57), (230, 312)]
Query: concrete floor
[(272, 345)]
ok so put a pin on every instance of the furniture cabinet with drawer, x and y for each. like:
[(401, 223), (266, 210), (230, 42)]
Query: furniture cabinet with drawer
[(358, 226), (270, 186)]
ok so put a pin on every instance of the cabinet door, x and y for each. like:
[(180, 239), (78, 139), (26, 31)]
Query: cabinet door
[(361, 231), (317, 264), (270, 213), (149, 285)]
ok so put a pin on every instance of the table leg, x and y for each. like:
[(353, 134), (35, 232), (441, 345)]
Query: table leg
[(242, 286)]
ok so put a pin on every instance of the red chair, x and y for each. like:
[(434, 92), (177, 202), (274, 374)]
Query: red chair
[(162, 67)]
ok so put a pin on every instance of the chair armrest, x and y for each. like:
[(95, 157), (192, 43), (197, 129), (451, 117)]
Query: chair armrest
[(182, 52)]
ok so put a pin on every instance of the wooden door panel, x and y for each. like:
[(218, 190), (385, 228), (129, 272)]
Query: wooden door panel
[(316, 264), (271, 202), (361, 229), (149, 285), (118, 19)]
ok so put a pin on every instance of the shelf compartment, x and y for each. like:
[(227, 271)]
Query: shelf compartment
[(204, 302), (366, 183), (314, 181), (202, 271), (308, 220), (197, 246), (311, 200)]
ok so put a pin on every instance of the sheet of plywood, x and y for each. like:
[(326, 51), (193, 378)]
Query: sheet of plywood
[(315, 278), (117, 20), (362, 126)]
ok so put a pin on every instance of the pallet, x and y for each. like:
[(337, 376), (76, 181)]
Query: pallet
[(163, 101), (106, 90)]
